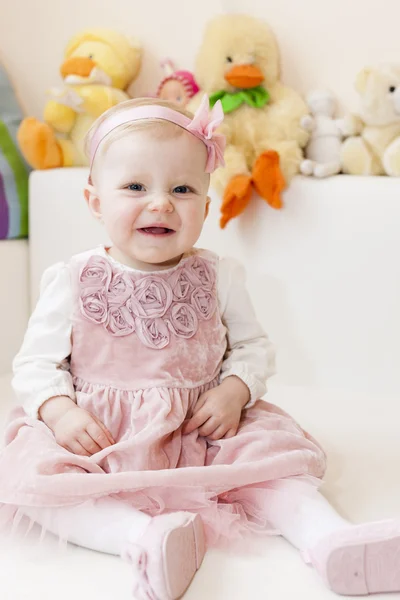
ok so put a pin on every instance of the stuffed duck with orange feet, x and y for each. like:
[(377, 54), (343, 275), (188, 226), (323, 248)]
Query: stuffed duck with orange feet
[(239, 64), (99, 64)]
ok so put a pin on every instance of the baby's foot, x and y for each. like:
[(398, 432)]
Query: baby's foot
[(167, 556), (360, 560)]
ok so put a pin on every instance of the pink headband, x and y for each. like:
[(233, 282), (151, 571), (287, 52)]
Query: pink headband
[(203, 126)]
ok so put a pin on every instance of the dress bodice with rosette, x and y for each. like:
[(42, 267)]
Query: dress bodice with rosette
[(124, 318)]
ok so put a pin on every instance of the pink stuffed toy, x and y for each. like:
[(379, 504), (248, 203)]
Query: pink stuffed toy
[(177, 86)]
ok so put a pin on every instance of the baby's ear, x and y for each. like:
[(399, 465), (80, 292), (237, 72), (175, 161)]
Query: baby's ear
[(93, 201), (207, 207)]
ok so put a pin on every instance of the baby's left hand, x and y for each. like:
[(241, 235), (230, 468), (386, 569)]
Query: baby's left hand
[(217, 412)]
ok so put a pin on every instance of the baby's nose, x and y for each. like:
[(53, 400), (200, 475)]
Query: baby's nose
[(161, 204)]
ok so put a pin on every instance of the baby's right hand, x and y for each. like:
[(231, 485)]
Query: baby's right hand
[(74, 428)]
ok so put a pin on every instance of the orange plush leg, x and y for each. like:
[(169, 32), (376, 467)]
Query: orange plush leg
[(236, 197), (268, 179), (39, 145)]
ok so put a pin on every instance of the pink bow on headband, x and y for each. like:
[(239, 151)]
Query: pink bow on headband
[(203, 126)]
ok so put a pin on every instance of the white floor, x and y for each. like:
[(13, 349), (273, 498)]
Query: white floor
[(362, 438)]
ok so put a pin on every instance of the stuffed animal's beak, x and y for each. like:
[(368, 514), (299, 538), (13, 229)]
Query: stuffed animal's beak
[(244, 76), (77, 65)]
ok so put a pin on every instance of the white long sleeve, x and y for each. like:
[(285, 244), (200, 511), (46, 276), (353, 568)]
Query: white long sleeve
[(250, 354), (41, 366)]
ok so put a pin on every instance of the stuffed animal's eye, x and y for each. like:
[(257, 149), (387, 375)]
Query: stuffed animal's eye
[(91, 56), (229, 59), (392, 89)]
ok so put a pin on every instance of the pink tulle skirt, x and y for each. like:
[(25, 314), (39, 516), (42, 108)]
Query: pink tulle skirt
[(154, 467)]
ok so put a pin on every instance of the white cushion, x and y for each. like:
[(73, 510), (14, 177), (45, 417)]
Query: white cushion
[(323, 272)]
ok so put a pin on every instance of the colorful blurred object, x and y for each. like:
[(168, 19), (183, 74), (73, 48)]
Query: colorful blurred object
[(14, 171)]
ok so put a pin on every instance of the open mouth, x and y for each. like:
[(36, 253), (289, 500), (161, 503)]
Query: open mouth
[(159, 231)]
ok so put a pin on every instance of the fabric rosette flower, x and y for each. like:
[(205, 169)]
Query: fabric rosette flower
[(151, 298), (182, 284), (182, 320), (152, 332), (120, 321), (96, 273), (204, 303), (94, 306), (120, 289), (201, 272)]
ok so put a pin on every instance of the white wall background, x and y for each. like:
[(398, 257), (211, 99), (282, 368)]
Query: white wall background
[(323, 42)]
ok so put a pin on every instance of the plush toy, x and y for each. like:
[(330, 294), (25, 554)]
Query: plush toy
[(14, 172), (239, 64), (323, 149), (176, 86), (373, 147), (99, 64)]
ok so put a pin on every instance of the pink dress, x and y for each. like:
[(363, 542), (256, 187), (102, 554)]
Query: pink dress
[(144, 347)]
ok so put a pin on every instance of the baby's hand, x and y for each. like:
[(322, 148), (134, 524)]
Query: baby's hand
[(74, 428), (217, 412)]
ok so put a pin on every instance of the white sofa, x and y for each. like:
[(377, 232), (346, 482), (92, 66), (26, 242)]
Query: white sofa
[(325, 281)]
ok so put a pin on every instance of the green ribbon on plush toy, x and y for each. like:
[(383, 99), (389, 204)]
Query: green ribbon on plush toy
[(256, 97)]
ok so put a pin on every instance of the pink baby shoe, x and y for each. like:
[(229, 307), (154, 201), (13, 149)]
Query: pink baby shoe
[(166, 557)]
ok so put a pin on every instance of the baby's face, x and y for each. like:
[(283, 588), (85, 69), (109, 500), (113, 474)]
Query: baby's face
[(174, 91), (151, 194)]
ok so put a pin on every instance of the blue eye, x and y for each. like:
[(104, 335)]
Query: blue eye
[(136, 187), (182, 189)]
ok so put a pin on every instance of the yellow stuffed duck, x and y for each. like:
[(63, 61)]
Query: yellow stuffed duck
[(99, 64), (238, 63)]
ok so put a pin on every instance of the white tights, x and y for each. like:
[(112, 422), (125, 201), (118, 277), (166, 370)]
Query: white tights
[(107, 524), (301, 513)]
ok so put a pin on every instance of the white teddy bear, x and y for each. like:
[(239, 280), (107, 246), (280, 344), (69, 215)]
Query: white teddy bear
[(323, 149), (372, 146)]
